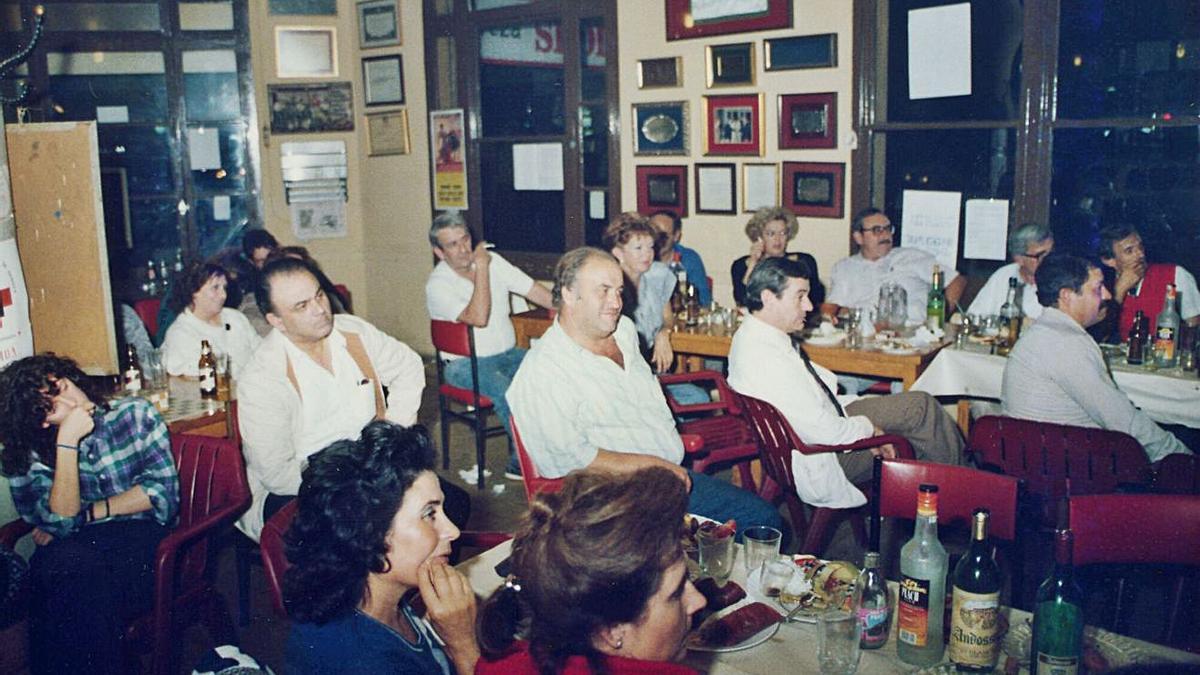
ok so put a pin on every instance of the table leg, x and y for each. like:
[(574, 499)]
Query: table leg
[(964, 416)]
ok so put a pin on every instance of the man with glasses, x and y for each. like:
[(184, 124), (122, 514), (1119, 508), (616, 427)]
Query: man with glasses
[(1028, 245), (856, 280)]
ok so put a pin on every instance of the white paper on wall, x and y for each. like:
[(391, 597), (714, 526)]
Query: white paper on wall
[(939, 51), (537, 166), (930, 223), (986, 230)]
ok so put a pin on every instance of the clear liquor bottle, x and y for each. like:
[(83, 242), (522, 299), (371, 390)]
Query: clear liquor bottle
[(922, 599), (1166, 332), (874, 603)]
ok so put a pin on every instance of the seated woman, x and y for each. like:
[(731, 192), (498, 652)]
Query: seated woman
[(199, 296), (769, 230), (97, 481), (369, 529), (600, 579)]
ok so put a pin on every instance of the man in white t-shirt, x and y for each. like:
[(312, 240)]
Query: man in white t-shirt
[(1028, 245), (471, 285)]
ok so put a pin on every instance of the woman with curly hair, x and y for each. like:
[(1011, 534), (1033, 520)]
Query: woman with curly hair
[(769, 231), (369, 529), (97, 481), (199, 297), (599, 578)]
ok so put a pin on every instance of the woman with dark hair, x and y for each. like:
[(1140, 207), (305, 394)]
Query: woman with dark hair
[(599, 576), (369, 529), (97, 481), (199, 297)]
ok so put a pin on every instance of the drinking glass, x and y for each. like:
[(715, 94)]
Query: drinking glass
[(716, 555), (157, 382), (776, 575), (839, 648), (854, 320), (760, 543), (892, 309)]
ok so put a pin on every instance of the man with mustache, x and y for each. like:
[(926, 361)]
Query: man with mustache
[(1142, 286)]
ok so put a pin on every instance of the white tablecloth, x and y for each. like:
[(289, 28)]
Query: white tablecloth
[(1170, 396)]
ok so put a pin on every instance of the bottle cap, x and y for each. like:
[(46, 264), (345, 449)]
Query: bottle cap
[(927, 500)]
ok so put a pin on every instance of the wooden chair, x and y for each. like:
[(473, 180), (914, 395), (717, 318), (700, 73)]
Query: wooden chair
[(213, 492), (1150, 531), (458, 339), (777, 439)]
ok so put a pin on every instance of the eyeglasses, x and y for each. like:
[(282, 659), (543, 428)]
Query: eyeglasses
[(880, 229)]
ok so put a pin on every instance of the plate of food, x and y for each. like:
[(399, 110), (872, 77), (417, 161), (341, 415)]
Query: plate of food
[(898, 348), (743, 625), (825, 340), (816, 585)]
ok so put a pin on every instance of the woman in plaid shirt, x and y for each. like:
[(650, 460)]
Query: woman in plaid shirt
[(97, 480)]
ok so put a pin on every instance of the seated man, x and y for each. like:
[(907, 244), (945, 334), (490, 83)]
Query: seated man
[(585, 398), (766, 362), (1143, 286), (670, 225), (855, 280), (1056, 372), (317, 378), (471, 285), (1028, 245)]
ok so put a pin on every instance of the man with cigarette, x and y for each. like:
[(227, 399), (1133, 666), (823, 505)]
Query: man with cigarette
[(470, 285)]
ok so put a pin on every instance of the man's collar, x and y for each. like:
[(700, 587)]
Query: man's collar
[(768, 331), (1055, 316), (335, 340)]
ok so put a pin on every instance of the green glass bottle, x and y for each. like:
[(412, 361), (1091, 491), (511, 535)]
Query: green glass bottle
[(935, 306), (1057, 645)]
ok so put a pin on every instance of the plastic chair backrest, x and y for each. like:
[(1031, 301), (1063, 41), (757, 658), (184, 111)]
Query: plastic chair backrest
[(961, 491), (1136, 528), (147, 310), (274, 554), (776, 440), (1178, 473), (212, 477), (529, 475), (452, 337)]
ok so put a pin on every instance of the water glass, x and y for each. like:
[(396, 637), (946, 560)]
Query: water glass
[(777, 573), (760, 543), (854, 322), (839, 649), (716, 555), (157, 380)]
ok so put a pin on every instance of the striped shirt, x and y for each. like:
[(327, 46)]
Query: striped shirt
[(570, 403), (129, 446)]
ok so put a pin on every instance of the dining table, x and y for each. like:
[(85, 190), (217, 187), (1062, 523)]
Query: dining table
[(188, 412), (793, 648)]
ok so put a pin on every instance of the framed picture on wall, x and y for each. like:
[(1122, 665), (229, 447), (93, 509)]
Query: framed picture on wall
[(760, 186), (309, 7), (378, 23), (733, 125), (305, 51), (660, 128), (662, 188), (716, 188), (802, 51), (807, 121), (660, 73), (697, 18), (387, 133), (311, 108), (383, 80), (730, 65), (814, 189)]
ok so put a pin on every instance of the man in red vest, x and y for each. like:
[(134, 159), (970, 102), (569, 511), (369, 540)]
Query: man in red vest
[(1142, 285)]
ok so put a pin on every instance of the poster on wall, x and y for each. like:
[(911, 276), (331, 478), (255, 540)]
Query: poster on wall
[(16, 337), (447, 143), (930, 222)]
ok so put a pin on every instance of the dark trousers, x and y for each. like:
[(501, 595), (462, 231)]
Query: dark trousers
[(86, 587)]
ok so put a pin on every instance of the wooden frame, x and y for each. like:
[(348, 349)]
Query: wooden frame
[(759, 190), (660, 128), (724, 199), (726, 119), (661, 73), (682, 25), (303, 7), (729, 65), (815, 189), (310, 108), (305, 51), (383, 80), (387, 133), (807, 121), (800, 52), (662, 188), (378, 23)]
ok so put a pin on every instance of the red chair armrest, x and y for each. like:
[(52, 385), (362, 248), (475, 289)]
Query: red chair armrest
[(710, 376), (12, 532), (692, 443), (904, 449)]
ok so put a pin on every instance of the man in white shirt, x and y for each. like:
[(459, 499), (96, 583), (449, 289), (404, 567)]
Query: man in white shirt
[(1056, 372), (855, 281), (585, 398), (471, 286), (317, 378), (765, 362), (1028, 245)]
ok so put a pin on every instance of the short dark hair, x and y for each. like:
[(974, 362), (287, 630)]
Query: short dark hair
[(1111, 234), (256, 239), (772, 274), (349, 494), (26, 399), (626, 226), (277, 267), (676, 221), (193, 279), (1059, 271), (856, 225), (568, 267)]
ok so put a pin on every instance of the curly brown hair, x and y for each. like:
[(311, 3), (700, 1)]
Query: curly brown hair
[(627, 226)]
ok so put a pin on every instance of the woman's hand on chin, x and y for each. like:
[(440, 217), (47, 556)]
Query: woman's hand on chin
[(450, 606)]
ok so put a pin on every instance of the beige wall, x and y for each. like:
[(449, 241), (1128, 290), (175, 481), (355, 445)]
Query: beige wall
[(721, 239)]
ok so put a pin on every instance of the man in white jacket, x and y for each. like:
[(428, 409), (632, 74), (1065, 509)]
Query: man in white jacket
[(765, 362)]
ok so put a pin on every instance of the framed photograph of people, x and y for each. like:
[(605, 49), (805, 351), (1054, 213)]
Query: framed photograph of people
[(815, 189), (730, 65), (716, 188), (660, 73), (702, 18), (800, 52), (378, 23), (305, 51), (807, 121), (311, 108), (662, 188), (660, 128), (760, 186), (383, 80), (387, 133), (733, 125)]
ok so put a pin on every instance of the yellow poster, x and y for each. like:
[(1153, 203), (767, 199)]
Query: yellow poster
[(448, 144)]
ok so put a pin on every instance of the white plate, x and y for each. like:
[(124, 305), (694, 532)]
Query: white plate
[(752, 641), (820, 340)]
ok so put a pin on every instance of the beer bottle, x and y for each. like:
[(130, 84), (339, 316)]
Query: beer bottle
[(678, 303), (1010, 319), (935, 306), (693, 306), (974, 637), (133, 372), (208, 371), (1137, 339)]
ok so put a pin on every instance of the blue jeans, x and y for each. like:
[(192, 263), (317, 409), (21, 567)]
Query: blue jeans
[(714, 498), (495, 375), (687, 393)]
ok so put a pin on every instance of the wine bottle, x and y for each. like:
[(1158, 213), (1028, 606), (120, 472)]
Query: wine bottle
[(974, 638), (873, 602), (208, 371), (1057, 645), (1010, 319), (935, 305), (923, 567)]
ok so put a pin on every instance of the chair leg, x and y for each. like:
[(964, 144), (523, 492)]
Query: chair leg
[(243, 550), (480, 445), (445, 434), (858, 527)]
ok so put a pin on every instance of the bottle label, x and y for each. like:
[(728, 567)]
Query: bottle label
[(874, 622), (133, 381), (1057, 665), (913, 615), (973, 628), (1164, 342), (208, 379)]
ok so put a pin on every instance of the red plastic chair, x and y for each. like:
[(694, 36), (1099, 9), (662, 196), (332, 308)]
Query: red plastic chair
[(777, 440), (147, 311), (961, 491), (212, 493), (1140, 529), (1177, 474), (348, 300), (458, 339), (534, 483)]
